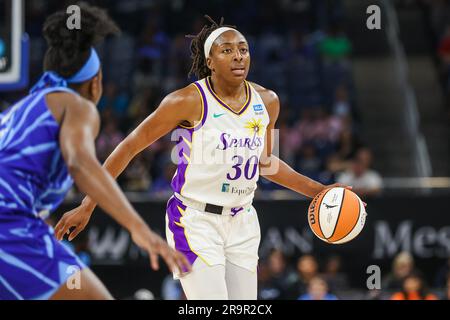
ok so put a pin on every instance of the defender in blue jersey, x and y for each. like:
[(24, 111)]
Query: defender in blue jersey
[(46, 143)]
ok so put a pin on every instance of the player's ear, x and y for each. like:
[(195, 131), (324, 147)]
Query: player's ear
[(96, 88), (209, 64)]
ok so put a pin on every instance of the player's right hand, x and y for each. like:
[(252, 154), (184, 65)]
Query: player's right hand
[(77, 218), (156, 246)]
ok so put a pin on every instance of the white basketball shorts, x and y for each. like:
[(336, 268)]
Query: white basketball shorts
[(213, 238)]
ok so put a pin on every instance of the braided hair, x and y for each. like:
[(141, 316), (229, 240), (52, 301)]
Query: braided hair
[(68, 50), (199, 67)]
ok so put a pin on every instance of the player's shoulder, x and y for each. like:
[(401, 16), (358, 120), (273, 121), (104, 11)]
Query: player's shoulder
[(184, 104), (187, 95), (61, 102), (268, 95), (270, 99), (71, 99)]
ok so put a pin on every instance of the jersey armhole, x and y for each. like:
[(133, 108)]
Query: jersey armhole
[(204, 102)]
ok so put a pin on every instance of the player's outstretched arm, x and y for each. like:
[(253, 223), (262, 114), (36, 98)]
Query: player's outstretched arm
[(79, 127), (291, 179), (177, 107)]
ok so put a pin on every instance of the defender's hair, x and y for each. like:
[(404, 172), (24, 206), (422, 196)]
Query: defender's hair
[(68, 50)]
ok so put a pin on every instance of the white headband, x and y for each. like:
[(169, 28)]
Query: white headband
[(212, 37)]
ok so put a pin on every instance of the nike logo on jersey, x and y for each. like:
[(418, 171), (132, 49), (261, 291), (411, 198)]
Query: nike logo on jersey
[(216, 115)]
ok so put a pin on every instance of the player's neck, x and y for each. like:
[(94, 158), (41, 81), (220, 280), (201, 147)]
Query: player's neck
[(226, 90)]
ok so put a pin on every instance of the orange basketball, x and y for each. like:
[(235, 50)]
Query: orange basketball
[(336, 215)]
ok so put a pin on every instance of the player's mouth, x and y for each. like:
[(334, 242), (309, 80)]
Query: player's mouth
[(238, 71)]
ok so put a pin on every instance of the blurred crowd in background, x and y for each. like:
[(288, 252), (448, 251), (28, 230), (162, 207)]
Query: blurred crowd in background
[(312, 279), (298, 49), (437, 15), (309, 278)]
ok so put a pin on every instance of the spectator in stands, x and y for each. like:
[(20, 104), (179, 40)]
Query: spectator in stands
[(161, 185), (110, 136), (265, 289), (142, 103), (315, 128), (290, 141), (402, 266), (365, 182), (444, 47), (114, 100), (317, 290), (300, 47), (439, 14), (279, 273), (441, 275), (307, 269), (308, 162), (313, 125), (341, 104), (336, 125), (444, 57), (413, 288), (446, 294), (336, 46), (336, 279), (137, 177), (348, 143), (346, 149), (178, 67)]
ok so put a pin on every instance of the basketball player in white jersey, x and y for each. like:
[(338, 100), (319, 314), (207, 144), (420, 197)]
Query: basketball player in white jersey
[(223, 140)]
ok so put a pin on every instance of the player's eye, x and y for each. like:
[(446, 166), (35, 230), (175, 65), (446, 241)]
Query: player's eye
[(244, 50), (226, 50)]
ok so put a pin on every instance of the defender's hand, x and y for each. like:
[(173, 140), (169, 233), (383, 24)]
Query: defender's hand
[(77, 218), (156, 246)]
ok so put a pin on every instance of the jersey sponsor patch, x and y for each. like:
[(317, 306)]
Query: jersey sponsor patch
[(257, 107)]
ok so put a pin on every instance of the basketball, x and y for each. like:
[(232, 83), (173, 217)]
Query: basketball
[(336, 215)]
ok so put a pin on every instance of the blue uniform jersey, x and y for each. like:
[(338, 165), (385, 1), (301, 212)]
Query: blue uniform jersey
[(33, 181), (33, 175)]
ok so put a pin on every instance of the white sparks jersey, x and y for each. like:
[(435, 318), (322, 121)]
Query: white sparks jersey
[(218, 158)]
